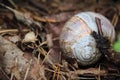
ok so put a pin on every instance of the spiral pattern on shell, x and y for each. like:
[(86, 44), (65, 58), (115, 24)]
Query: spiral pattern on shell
[(76, 40)]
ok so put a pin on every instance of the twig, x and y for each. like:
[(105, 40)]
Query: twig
[(11, 78), (115, 20), (25, 77), (43, 19), (12, 30), (4, 74), (94, 71), (46, 57), (14, 5), (45, 42)]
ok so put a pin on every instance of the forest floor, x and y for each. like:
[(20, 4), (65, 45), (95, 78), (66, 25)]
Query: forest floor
[(29, 40)]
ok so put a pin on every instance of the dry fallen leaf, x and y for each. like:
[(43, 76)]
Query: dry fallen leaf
[(29, 37), (9, 53)]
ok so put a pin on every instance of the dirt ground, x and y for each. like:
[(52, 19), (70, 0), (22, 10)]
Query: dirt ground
[(29, 40)]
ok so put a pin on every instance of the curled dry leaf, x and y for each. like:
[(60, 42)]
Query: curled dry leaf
[(29, 37)]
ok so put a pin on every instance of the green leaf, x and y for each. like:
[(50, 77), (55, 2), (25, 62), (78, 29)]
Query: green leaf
[(116, 45)]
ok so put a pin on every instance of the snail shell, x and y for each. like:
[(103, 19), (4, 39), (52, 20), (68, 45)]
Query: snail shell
[(76, 40)]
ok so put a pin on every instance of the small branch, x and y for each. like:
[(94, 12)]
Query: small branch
[(12, 30), (45, 42)]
